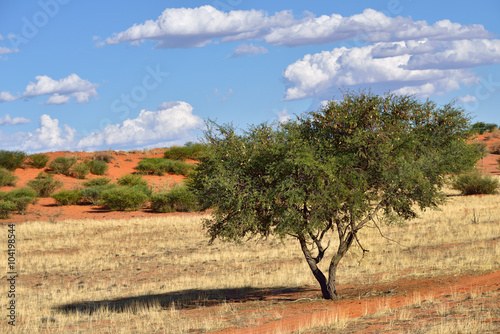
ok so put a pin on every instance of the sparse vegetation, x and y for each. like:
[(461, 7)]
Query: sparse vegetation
[(107, 157), (12, 160), (188, 151), (39, 160), (7, 178), (475, 184), (62, 165), (99, 181), (179, 198), (124, 198), (93, 194), (132, 180), (495, 148), (159, 166), (80, 170), (21, 198), (44, 184), (67, 197), (6, 207), (98, 167)]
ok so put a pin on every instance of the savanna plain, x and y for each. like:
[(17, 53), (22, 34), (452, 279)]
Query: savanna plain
[(157, 273)]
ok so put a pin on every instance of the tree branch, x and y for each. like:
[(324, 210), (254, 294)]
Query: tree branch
[(383, 236)]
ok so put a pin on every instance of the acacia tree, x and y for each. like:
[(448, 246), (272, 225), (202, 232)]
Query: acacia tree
[(336, 169)]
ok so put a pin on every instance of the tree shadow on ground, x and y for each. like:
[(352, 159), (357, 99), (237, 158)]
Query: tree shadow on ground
[(184, 299)]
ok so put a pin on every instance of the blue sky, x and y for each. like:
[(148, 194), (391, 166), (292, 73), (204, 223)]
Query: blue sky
[(92, 75)]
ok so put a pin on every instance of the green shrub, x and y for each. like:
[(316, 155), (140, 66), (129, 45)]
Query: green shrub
[(495, 148), (6, 207), (67, 197), (7, 178), (39, 160), (80, 170), (93, 194), (11, 160), (99, 181), (159, 166), (21, 198), (62, 165), (98, 167), (188, 151), (179, 198), (124, 198), (103, 156), (132, 180), (475, 183), (44, 184)]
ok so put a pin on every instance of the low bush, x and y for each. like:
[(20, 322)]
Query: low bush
[(67, 197), (475, 183), (12, 160), (7, 178), (99, 181), (132, 180), (44, 184), (6, 207), (98, 167), (39, 160), (179, 198), (93, 194), (124, 198), (159, 166), (103, 156), (188, 151), (21, 198), (62, 165), (80, 170), (495, 148)]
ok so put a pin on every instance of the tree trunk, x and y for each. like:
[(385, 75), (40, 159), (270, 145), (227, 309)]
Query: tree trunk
[(318, 274)]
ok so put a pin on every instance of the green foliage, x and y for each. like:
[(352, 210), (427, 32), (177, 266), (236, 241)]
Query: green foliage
[(188, 151), (132, 180), (99, 181), (44, 184), (98, 167), (159, 166), (62, 165), (481, 127), (358, 158), (39, 160), (80, 170), (179, 198), (103, 156), (12, 160), (21, 198), (7, 178), (124, 198), (67, 197), (93, 194), (475, 184), (6, 207)]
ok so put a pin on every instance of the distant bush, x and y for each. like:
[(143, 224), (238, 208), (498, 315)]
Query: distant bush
[(12, 160), (7, 178), (179, 198), (99, 181), (80, 170), (495, 148), (67, 197), (103, 156), (124, 198), (132, 180), (93, 194), (98, 167), (62, 165), (44, 184), (21, 198), (188, 151), (481, 127), (6, 207), (475, 183), (159, 166), (39, 160)]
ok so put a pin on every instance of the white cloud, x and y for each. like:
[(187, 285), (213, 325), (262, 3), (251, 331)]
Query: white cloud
[(7, 97), (171, 122), (246, 49), (4, 50), (61, 91), (283, 116), (7, 120), (467, 99), (49, 136), (196, 27)]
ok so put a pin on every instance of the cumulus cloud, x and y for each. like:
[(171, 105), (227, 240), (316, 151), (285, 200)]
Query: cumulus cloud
[(4, 50), (196, 27), (283, 116), (248, 49), (172, 121), (7, 120), (49, 136), (467, 99), (425, 68), (7, 97)]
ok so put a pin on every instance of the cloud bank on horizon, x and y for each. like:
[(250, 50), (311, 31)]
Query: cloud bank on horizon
[(396, 53)]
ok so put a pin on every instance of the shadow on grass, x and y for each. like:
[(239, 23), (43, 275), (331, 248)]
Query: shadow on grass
[(184, 299)]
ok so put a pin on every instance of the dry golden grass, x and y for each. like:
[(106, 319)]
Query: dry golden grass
[(160, 274)]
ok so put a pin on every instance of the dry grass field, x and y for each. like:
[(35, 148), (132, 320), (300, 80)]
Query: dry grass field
[(159, 275)]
